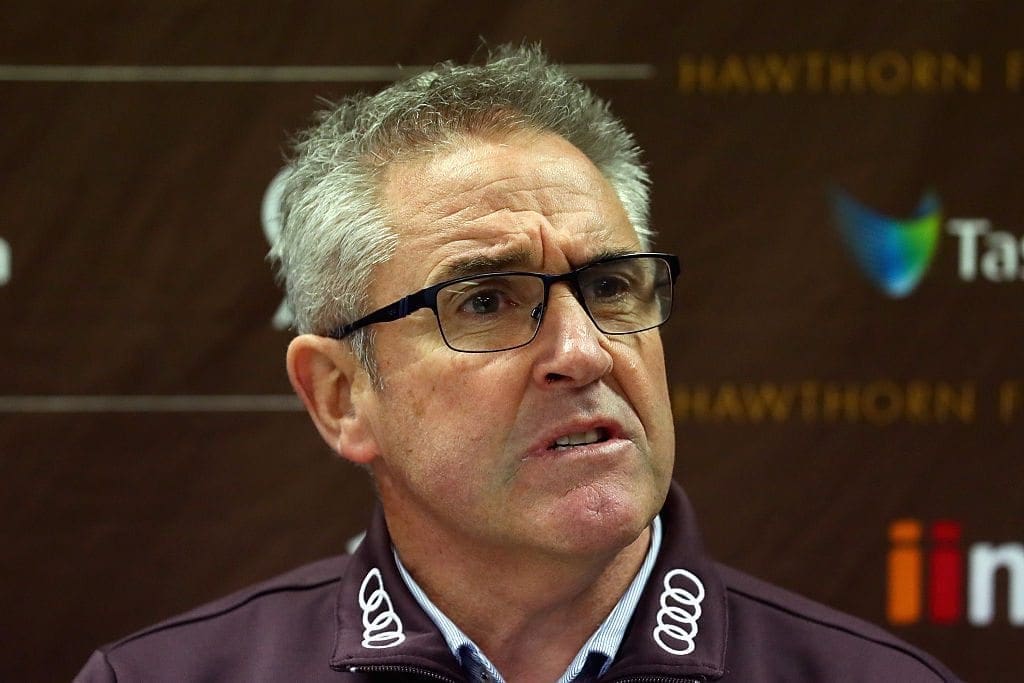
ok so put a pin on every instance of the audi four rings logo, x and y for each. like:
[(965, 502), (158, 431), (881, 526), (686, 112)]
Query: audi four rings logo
[(680, 610), (382, 627)]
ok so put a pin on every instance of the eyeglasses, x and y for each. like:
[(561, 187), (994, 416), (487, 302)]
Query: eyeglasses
[(502, 311)]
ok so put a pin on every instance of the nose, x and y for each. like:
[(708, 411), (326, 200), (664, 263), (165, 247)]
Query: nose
[(571, 350)]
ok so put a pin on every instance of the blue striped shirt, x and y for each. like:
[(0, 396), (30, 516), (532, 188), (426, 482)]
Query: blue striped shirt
[(594, 657)]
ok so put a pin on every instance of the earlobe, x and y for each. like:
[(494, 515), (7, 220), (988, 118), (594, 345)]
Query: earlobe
[(332, 384)]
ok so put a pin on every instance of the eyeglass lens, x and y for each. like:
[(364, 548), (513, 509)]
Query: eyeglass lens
[(504, 311)]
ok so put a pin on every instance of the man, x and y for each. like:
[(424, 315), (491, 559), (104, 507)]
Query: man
[(467, 255)]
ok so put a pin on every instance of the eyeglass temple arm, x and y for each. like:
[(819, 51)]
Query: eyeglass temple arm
[(673, 265), (391, 312)]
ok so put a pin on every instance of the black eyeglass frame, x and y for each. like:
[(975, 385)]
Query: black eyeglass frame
[(427, 298)]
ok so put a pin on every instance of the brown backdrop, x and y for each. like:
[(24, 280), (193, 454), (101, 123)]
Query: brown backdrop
[(152, 458)]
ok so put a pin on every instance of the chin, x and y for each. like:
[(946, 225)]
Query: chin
[(592, 519)]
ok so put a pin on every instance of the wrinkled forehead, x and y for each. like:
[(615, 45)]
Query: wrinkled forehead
[(474, 182)]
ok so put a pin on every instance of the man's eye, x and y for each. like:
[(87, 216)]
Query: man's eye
[(609, 288), (485, 303)]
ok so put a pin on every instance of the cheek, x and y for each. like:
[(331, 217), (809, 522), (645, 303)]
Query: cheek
[(647, 384), (652, 360), (466, 401), (421, 398), (641, 361)]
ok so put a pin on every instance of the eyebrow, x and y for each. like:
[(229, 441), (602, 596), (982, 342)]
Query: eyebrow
[(475, 265), (610, 253)]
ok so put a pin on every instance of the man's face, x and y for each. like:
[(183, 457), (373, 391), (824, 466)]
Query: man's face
[(466, 441)]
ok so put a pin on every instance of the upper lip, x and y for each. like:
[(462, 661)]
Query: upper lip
[(611, 428)]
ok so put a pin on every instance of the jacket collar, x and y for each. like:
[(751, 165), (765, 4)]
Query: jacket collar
[(678, 629), (379, 624), (680, 625)]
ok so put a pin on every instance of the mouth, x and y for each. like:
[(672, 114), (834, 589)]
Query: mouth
[(591, 436)]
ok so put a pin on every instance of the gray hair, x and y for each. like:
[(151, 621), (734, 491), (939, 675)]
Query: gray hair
[(334, 229)]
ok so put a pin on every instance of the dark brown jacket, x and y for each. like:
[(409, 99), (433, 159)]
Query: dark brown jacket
[(351, 618)]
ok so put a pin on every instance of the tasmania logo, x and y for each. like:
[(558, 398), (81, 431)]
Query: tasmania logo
[(930, 582), (894, 253)]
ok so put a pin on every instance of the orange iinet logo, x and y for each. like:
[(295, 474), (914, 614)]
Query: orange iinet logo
[(928, 579)]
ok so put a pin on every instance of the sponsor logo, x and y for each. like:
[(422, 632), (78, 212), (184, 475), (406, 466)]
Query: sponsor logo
[(992, 255), (893, 253), (896, 253), (929, 582), (882, 73), (5, 262), (382, 627), (876, 402), (679, 612), (270, 217), (1014, 75)]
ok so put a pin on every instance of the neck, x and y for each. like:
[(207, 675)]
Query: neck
[(530, 613)]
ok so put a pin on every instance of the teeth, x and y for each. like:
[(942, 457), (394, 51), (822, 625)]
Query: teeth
[(579, 438)]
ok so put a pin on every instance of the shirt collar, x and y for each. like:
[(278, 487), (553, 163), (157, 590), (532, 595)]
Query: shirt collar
[(597, 653)]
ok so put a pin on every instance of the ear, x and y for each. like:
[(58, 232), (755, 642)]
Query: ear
[(332, 383)]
